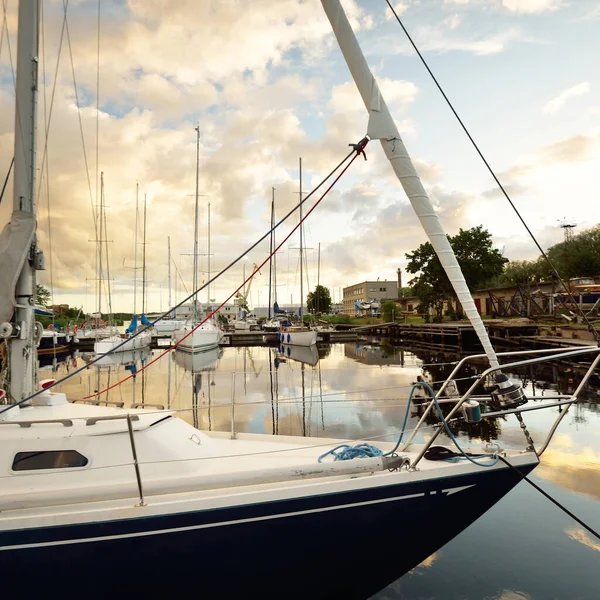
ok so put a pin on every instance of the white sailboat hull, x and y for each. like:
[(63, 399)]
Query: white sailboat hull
[(204, 338), (298, 338), (168, 326), (108, 345)]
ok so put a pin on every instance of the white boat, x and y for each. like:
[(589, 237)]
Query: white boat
[(198, 336), (166, 326), (112, 344), (298, 336), (88, 489), (91, 332), (203, 337)]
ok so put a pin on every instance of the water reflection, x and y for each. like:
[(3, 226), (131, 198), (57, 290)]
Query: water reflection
[(351, 393)]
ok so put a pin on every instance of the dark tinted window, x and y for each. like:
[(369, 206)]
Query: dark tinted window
[(49, 459)]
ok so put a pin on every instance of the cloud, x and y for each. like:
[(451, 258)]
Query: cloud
[(531, 6), (554, 105), (398, 94), (400, 8), (453, 21), (583, 537)]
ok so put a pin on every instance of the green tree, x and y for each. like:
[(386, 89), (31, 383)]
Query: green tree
[(42, 295), (579, 257), (404, 292), (389, 311), (479, 261), (319, 300), (522, 271)]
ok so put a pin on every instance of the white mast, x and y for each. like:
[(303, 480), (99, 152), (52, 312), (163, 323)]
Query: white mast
[(382, 127), (169, 269), (135, 251), (23, 353), (208, 264), (301, 249), (195, 277)]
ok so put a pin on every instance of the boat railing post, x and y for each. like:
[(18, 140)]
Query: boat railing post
[(575, 395), (491, 370), (233, 406), (135, 461)]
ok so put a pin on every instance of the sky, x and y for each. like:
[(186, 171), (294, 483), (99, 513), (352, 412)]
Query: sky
[(266, 84)]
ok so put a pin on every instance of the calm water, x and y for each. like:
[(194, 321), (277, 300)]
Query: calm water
[(524, 548)]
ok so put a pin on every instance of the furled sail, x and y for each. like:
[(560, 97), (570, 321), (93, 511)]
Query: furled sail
[(381, 126), (15, 243)]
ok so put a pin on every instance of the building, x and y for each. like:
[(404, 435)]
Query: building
[(367, 293), (59, 309)]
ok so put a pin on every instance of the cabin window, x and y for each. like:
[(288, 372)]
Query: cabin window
[(48, 459)]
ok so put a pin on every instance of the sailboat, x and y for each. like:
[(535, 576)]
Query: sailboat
[(193, 337), (299, 335), (279, 318), (88, 487), (171, 323), (114, 343), (95, 328)]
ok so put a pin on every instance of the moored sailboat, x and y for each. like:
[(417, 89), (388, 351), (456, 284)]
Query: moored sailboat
[(193, 336)]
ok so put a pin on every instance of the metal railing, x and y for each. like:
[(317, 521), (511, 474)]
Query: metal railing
[(537, 359)]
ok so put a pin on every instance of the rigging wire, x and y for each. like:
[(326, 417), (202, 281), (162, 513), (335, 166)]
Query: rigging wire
[(14, 78), (97, 99), (213, 279), (553, 500), (12, 162), (45, 157), (254, 272), (590, 326), (75, 89), (48, 113)]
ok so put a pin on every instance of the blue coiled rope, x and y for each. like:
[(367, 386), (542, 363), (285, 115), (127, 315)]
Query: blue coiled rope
[(364, 450)]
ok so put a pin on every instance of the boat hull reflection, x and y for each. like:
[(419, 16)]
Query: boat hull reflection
[(308, 355), (198, 361)]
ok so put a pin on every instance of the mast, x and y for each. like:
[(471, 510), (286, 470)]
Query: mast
[(318, 278), (271, 247), (100, 270), (195, 275), (144, 263), (301, 250), (108, 290), (169, 269), (208, 263), (23, 352), (381, 126), (274, 257), (135, 250)]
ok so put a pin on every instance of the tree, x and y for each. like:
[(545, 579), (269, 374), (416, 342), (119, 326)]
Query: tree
[(389, 311), (479, 261), (42, 295), (404, 292), (319, 300), (522, 272), (579, 257)]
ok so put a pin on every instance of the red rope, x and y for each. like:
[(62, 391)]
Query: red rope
[(117, 383)]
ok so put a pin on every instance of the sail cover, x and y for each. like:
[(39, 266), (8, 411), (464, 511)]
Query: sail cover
[(15, 241), (133, 325)]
